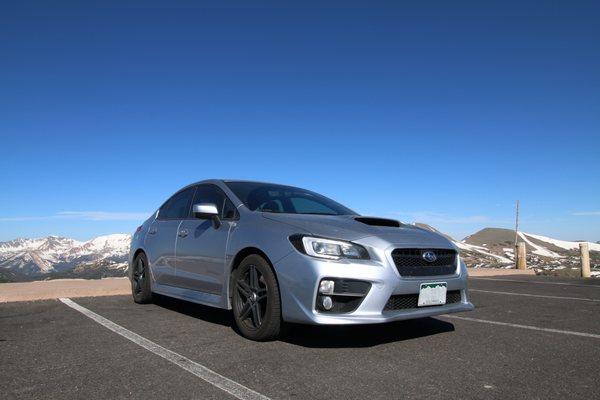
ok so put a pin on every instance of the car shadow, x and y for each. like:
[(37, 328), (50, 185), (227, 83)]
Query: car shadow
[(316, 336), (198, 311)]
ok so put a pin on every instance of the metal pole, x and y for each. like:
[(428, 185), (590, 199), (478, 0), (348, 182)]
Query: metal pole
[(585, 259), (516, 235), (517, 223)]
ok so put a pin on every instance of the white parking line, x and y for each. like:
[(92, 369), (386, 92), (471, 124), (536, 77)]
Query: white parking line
[(533, 328), (223, 383), (534, 282), (534, 295)]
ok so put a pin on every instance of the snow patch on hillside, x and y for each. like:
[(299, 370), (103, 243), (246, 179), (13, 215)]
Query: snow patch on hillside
[(564, 244), (541, 251), (482, 250), (118, 242)]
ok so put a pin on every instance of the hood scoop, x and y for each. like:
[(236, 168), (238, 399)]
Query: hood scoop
[(373, 221)]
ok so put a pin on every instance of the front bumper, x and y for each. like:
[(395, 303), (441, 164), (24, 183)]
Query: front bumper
[(299, 276)]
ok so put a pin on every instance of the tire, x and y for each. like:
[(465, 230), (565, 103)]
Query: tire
[(140, 280), (255, 299)]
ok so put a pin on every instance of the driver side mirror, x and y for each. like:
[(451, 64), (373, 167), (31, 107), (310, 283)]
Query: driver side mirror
[(207, 211)]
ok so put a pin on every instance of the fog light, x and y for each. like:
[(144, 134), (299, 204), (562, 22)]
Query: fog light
[(326, 287), (327, 302)]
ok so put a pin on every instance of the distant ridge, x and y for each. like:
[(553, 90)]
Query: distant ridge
[(494, 247), (59, 257), (494, 238)]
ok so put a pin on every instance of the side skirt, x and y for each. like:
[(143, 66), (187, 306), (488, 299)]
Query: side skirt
[(194, 296)]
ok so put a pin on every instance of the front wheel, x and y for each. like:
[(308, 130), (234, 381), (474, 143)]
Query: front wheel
[(256, 303)]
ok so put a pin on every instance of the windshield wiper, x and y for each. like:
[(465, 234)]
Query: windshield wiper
[(295, 213)]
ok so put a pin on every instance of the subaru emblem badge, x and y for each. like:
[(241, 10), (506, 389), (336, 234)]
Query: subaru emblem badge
[(429, 256)]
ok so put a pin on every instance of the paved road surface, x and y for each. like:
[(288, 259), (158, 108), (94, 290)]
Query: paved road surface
[(530, 337)]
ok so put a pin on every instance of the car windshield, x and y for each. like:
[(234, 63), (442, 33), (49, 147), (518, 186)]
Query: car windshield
[(285, 199)]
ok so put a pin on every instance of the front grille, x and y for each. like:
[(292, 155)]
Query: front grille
[(408, 301), (410, 262)]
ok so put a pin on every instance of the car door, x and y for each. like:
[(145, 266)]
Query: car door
[(201, 245), (162, 236)]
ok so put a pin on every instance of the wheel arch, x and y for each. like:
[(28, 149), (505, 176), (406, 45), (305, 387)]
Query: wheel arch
[(136, 253), (237, 260)]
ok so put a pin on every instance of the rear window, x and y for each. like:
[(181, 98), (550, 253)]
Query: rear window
[(178, 206)]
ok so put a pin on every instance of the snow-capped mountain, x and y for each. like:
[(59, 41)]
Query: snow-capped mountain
[(53, 256), (59, 257)]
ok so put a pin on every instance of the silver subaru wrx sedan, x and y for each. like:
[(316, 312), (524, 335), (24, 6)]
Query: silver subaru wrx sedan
[(276, 253)]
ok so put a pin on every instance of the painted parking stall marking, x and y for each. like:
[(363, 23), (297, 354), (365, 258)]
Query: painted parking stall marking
[(530, 327), (534, 282), (543, 296), (233, 388)]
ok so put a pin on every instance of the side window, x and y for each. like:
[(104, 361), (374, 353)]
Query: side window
[(212, 194), (178, 207), (163, 209)]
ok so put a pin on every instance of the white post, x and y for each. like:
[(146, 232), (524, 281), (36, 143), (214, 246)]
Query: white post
[(585, 259), (521, 256)]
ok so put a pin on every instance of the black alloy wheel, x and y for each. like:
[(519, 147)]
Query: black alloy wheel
[(140, 280), (252, 298), (256, 303)]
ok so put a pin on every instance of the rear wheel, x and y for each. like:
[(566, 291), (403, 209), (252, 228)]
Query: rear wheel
[(140, 280), (256, 303)]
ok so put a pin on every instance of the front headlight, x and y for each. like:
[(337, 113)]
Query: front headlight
[(329, 248)]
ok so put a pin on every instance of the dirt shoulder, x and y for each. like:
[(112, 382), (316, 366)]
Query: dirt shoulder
[(53, 289), (498, 272)]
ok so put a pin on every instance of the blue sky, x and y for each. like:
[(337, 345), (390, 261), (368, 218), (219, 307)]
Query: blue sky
[(442, 112)]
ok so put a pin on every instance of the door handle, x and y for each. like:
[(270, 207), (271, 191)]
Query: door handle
[(152, 231), (183, 233)]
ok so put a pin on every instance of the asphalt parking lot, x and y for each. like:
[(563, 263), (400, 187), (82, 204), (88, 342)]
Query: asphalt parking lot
[(529, 337)]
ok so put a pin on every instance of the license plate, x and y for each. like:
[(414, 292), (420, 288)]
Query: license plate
[(432, 294)]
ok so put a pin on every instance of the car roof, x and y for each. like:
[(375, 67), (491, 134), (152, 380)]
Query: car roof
[(215, 180)]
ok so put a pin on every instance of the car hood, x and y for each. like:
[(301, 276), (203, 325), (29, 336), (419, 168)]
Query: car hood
[(346, 227)]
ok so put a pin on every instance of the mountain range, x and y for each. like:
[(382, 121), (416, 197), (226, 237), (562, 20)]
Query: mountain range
[(59, 257), (105, 256)]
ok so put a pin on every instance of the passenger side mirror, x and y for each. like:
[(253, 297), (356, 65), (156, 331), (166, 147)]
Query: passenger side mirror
[(207, 211)]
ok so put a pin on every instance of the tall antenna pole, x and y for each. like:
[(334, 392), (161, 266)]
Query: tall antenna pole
[(517, 225)]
